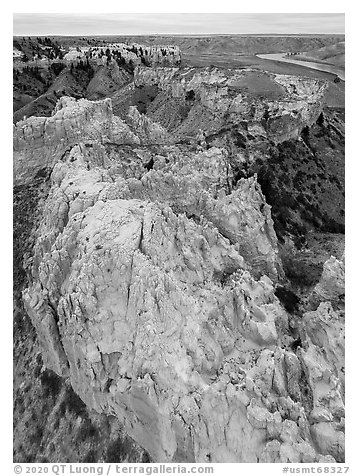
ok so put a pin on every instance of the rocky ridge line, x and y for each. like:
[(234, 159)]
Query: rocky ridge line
[(158, 306), (226, 96)]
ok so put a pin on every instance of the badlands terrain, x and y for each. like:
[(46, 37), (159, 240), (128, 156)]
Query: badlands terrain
[(178, 251)]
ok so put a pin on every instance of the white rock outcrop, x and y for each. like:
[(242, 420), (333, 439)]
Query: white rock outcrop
[(39, 142), (152, 289), (296, 102), (331, 285)]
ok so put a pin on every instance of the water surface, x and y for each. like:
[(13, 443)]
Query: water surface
[(307, 64)]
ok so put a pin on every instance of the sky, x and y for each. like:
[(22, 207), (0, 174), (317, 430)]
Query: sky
[(28, 24)]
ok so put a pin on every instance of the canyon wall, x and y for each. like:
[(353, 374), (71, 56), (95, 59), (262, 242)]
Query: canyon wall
[(276, 106)]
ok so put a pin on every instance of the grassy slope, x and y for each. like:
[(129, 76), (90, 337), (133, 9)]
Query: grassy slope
[(332, 54), (101, 82)]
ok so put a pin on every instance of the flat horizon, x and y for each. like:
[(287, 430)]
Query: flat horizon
[(178, 24), (183, 35)]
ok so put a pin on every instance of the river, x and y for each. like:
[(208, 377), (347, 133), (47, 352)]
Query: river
[(307, 64)]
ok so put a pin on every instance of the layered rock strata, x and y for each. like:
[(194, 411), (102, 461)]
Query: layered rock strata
[(278, 106)]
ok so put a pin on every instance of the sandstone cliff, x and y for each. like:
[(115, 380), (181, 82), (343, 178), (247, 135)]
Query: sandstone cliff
[(134, 53), (280, 105), (39, 142), (152, 287)]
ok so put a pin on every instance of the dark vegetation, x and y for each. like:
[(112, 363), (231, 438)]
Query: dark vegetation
[(82, 66), (82, 72), (190, 95), (72, 404), (51, 383), (51, 423), (34, 80), (26, 200), (304, 181), (121, 449), (44, 86), (288, 299), (39, 48), (143, 96)]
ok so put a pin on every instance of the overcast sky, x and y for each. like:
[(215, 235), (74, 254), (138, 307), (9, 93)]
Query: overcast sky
[(28, 24)]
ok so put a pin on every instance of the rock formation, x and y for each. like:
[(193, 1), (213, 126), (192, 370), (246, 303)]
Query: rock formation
[(151, 55), (277, 105), (323, 360), (331, 284), (269, 124), (152, 285), (39, 142)]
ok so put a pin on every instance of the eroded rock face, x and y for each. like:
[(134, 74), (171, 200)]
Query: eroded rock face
[(152, 289), (39, 142), (331, 285), (279, 106), (324, 363), (167, 55)]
